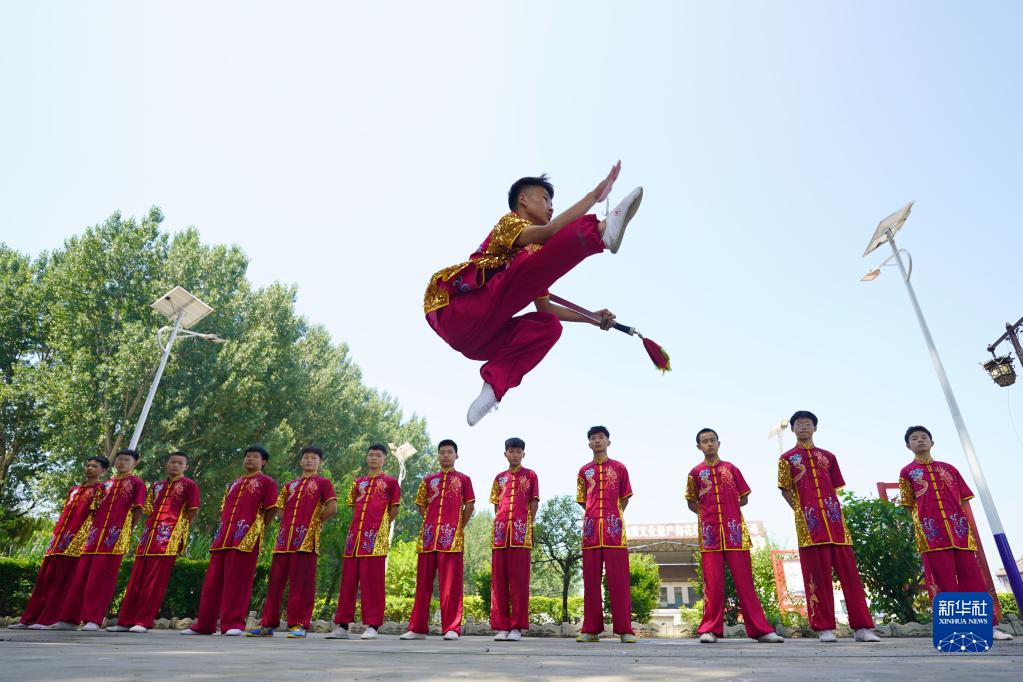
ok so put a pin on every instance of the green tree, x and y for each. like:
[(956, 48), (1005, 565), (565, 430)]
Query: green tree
[(557, 542), (644, 586), (763, 583)]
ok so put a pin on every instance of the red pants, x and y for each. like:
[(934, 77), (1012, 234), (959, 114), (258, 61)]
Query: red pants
[(55, 574), (89, 594), (480, 324), (509, 588), (298, 570), (741, 568), (447, 566), (366, 575), (953, 570), (146, 589), (227, 590), (817, 563), (615, 563)]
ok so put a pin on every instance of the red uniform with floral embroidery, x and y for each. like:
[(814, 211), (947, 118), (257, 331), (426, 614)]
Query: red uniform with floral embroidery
[(600, 487), (62, 555), (512, 493), (164, 537), (472, 305), (227, 589), (365, 553), (718, 489), (95, 579), (296, 550), (813, 478), (440, 545)]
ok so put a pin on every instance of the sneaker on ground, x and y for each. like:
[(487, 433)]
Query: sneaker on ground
[(139, 629), (413, 635), (484, 404), (588, 638), (865, 635), (514, 635), (1001, 635), (451, 635), (338, 633), (708, 638), (827, 636), (17, 626), (117, 628), (90, 627), (618, 219), (297, 632), (771, 638), (261, 631), (628, 638), (233, 632), (369, 633), (189, 631), (501, 636), (37, 626), (62, 625)]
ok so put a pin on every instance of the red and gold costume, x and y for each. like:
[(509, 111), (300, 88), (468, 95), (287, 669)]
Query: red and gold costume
[(296, 550), (62, 555), (365, 556), (472, 305), (718, 488), (440, 545), (812, 477), (164, 537), (512, 492), (601, 487), (95, 579), (227, 589)]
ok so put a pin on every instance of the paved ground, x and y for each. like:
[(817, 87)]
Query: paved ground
[(165, 655)]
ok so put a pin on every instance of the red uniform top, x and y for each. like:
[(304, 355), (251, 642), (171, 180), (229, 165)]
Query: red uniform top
[(165, 532), (371, 498), (717, 488), (241, 512), (443, 493), (512, 492), (72, 527), (935, 492), (111, 524), (813, 477), (601, 487), (302, 503)]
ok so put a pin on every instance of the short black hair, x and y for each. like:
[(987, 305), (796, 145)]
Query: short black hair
[(260, 449), (515, 443), (178, 453), (913, 429), (313, 449), (706, 430), (379, 447), (598, 429), (522, 183), (802, 414), (134, 454), (103, 461), (447, 441)]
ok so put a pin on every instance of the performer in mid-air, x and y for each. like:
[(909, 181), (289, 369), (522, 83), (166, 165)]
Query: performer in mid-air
[(472, 305)]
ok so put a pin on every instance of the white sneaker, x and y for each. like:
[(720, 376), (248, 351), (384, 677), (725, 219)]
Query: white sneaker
[(451, 635), (514, 636), (233, 632), (708, 638), (61, 625), (90, 627), (618, 219), (827, 636), (137, 628), (1002, 635), (484, 404), (17, 626), (413, 635), (771, 638), (501, 636), (188, 631), (117, 628), (370, 633), (338, 633), (865, 635)]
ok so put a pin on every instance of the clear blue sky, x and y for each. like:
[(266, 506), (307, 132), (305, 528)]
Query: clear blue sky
[(354, 150)]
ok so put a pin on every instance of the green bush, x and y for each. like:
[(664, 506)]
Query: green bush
[(17, 576), (1007, 603), (692, 616), (482, 583), (398, 609), (473, 607)]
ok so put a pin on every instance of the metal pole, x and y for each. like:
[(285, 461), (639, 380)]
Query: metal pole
[(1008, 562), (401, 477), (156, 382)]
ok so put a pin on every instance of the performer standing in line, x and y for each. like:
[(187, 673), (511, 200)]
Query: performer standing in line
[(62, 554), (515, 495), (809, 479), (937, 496), (446, 501), (306, 503), (716, 491), (249, 506), (374, 499), (171, 506), (603, 490), (472, 305), (90, 593)]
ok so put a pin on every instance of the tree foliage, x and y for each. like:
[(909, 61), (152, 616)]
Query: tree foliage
[(557, 543)]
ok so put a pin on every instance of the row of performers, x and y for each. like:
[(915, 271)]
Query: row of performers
[(77, 578)]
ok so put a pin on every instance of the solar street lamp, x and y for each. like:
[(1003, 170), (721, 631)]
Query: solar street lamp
[(402, 453), (776, 433), (185, 310), (885, 232)]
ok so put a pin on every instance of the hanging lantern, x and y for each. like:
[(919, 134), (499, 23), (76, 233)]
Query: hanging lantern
[(1001, 371)]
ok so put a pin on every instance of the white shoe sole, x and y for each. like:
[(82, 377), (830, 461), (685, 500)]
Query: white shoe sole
[(630, 212)]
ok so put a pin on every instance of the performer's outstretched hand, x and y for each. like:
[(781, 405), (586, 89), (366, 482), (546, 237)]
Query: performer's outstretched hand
[(602, 190), (607, 318)]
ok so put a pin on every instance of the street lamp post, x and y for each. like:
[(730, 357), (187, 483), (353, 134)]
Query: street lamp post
[(186, 310), (776, 432), (885, 232), (402, 453)]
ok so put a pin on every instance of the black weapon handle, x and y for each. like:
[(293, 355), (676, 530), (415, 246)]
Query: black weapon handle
[(624, 329)]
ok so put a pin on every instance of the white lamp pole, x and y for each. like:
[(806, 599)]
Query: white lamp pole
[(776, 432), (402, 453)]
